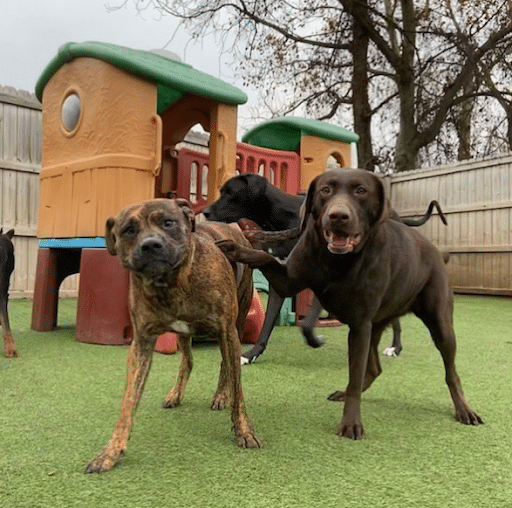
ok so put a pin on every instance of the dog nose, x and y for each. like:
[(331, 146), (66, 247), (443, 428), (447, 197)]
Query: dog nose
[(151, 244), (339, 216)]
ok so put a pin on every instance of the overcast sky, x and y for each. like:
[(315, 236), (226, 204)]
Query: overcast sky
[(31, 31)]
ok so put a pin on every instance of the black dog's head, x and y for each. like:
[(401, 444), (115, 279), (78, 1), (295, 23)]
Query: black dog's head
[(238, 199), (6, 254), (343, 205), (152, 238)]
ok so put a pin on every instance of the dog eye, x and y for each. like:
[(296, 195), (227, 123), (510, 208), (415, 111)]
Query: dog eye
[(361, 191), (129, 230), (326, 190), (168, 223)]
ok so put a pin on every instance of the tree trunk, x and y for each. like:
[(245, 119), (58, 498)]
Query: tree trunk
[(463, 115), (407, 141), (361, 101)]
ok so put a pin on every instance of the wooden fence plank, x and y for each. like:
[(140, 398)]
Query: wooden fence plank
[(476, 197)]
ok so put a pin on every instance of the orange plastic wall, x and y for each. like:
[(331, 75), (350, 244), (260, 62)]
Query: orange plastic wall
[(314, 153), (108, 161)]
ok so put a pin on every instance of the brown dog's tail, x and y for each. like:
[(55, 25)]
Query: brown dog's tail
[(260, 237), (419, 222)]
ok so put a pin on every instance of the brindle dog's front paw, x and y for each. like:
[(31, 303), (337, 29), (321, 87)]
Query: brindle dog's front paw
[(103, 462), (248, 440), (171, 402), (220, 401)]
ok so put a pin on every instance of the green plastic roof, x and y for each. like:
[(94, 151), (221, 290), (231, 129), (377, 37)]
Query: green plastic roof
[(174, 78), (285, 133)]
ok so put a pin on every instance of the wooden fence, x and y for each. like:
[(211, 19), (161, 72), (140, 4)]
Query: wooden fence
[(20, 162), (476, 197)]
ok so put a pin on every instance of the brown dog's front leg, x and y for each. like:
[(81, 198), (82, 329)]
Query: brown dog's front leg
[(139, 363), (239, 254), (275, 271), (358, 349)]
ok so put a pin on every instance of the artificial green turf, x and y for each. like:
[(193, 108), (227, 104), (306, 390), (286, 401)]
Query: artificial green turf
[(59, 401)]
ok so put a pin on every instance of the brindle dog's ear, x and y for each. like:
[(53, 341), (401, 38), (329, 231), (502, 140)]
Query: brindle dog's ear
[(187, 210), (110, 238), (9, 234), (307, 207)]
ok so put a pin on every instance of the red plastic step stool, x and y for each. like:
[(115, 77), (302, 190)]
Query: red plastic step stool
[(102, 315)]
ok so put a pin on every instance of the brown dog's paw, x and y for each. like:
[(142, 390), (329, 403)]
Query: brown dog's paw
[(468, 417), (102, 462), (337, 396), (229, 248), (351, 430)]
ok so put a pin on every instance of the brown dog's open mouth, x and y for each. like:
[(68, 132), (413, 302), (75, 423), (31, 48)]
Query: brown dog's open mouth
[(341, 244)]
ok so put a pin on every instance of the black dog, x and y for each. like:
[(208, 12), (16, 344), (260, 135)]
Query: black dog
[(366, 269), (253, 197), (6, 268)]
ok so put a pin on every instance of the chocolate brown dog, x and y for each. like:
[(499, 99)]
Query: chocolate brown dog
[(367, 270), (179, 281)]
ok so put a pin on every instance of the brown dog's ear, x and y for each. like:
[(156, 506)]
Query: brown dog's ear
[(10, 234), (385, 202), (307, 207), (187, 210), (110, 238)]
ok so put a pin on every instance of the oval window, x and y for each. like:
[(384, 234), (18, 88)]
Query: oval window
[(71, 112)]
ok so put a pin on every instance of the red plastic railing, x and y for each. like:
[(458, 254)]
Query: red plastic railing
[(279, 167)]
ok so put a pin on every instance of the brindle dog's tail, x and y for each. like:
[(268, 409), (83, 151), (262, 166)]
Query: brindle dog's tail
[(419, 222)]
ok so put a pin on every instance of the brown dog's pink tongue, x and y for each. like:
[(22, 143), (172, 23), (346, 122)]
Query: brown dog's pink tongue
[(340, 244)]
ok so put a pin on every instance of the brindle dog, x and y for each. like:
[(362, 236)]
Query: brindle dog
[(367, 270), (179, 281)]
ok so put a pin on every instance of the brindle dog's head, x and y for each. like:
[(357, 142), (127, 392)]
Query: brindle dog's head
[(152, 238), (344, 205)]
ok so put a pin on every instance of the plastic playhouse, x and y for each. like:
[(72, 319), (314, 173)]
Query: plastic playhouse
[(112, 117)]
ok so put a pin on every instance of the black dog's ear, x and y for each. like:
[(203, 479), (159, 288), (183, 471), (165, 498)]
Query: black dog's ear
[(187, 210), (307, 207), (110, 238), (9, 233)]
